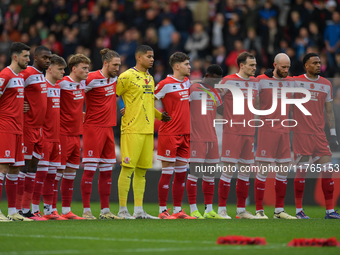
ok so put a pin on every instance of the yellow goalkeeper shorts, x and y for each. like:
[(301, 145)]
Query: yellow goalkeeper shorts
[(137, 150)]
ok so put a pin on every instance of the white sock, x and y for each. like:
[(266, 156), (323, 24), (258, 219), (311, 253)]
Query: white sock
[(65, 210), (208, 208), (47, 209), (330, 211), (122, 208), (25, 210), (35, 208), (55, 210), (162, 209), (87, 210), (298, 210), (221, 208), (12, 210), (105, 210), (279, 209), (193, 208), (240, 210), (176, 209), (138, 209)]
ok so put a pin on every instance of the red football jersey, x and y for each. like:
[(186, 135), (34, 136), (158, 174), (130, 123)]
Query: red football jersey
[(266, 86), (321, 92), (100, 100), (175, 98), (51, 127), (238, 124), (35, 95), (11, 101), (71, 106), (202, 126)]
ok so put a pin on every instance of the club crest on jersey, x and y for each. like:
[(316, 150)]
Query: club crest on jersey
[(263, 153), (227, 153), (254, 85), (193, 153), (2, 81), (90, 153), (322, 87), (167, 153), (312, 86), (127, 160), (280, 84), (147, 81), (7, 153)]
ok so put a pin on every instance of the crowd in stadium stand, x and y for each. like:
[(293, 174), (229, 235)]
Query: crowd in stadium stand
[(214, 31)]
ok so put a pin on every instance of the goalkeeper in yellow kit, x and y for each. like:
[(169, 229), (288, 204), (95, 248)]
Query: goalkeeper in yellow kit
[(136, 87)]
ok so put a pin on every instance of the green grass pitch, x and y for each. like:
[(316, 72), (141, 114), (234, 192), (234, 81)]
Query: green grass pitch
[(102, 237)]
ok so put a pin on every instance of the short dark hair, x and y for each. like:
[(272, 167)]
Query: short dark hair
[(40, 49), (178, 57), (77, 59), (308, 56), (108, 54), (215, 69), (17, 48), (57, 60), (143, 49), (242, 58)]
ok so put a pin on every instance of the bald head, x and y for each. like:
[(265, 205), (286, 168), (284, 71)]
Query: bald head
[(281, 65)]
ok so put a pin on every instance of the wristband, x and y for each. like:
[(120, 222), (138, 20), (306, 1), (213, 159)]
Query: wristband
[(333, 132)]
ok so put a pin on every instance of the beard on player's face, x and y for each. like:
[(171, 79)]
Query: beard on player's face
[(281, 74)]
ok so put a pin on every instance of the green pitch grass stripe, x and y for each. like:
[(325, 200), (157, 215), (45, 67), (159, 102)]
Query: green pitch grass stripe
[(145, 250)]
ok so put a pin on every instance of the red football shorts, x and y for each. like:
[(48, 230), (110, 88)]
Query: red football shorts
[(70, 151), (11, 149), (173, 147), (315, 146), (204, 152), (51, 155), (33, 142), (99, 145), (273, 147), (237, 149)]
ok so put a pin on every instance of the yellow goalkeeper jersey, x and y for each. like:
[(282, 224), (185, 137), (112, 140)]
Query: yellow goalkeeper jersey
[(137, 91)]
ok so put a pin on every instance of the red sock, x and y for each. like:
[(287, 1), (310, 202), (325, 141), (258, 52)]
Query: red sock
[(163, 185), (299, 187), (40, 177), (20, 190), (328, 189), (11, 189), (223, 190), (55, 190), (208, 187), (28, 191), (86, 187), (48, 189), (104, 187), (178, 185), (260, 186), (280, 192), (192, 189), (2, 176), (67, 189), (242, 190)]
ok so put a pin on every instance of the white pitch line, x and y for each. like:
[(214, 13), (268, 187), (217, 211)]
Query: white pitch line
[(93, 238), (145, 250)]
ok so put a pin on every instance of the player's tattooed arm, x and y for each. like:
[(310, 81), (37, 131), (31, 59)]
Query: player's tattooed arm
[(330, 114)]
